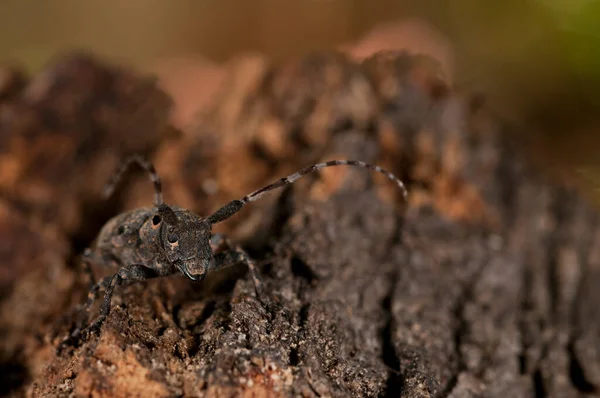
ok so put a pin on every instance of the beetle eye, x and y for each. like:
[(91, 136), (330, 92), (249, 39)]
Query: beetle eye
[(156, 220), (172, 238)]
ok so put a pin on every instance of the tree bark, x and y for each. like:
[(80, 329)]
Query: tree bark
[(482, 285)]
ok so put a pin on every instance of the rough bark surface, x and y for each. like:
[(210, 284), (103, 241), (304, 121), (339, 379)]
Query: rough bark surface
[(483, 285)]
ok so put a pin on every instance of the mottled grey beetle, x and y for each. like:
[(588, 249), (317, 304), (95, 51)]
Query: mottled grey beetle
[(152, 242)]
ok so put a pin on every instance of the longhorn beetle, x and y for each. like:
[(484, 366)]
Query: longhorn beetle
[(147, 243)]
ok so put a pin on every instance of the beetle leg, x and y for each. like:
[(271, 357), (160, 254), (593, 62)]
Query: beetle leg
[(124, 276), (227, 254)]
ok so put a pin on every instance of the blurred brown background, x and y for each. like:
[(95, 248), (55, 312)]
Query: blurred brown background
[(529, 58), (142, 31)]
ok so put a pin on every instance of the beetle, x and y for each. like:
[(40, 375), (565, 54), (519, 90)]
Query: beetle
[(164, 240)]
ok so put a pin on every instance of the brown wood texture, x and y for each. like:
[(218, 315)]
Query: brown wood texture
[(483, 285)]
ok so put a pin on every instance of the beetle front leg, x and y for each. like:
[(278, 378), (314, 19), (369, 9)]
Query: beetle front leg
[(125, 275), (227, 254), (88, 258), (76, 335), (83, 315)]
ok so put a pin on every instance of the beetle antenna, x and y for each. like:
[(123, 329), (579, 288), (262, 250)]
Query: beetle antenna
[(145, 164), (233, 207)]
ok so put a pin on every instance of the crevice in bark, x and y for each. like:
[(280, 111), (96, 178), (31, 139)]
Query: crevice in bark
[(304, 315), (538, 384), (302, 270), (576, 369), (294, 358), (450, 385), (390, 357), (524, 308), (273, 227), (577, 375), (457, 339), (13, 374), (462, 328), (207, 311)]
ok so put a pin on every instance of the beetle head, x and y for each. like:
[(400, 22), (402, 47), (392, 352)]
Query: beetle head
[(185, 239)]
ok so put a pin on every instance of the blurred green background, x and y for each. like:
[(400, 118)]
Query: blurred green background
[(536, 61)]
